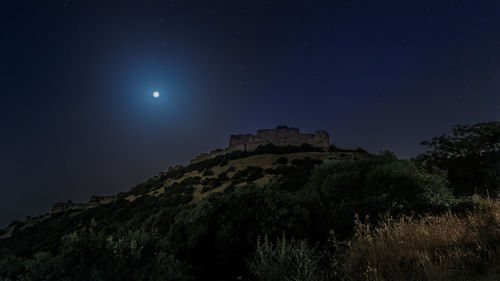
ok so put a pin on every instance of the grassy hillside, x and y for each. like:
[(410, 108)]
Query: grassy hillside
[(172, 191), (278, 213)]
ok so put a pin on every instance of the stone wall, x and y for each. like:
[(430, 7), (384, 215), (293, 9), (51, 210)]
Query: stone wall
[(281, 136), (94, 202)]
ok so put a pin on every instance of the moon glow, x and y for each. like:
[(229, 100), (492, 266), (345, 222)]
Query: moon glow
[(156, 94)]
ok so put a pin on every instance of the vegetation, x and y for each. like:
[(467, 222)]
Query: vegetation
[(470, 156), (418, 221), (431, 248), (249, 174), (446, 247), (285, 260)]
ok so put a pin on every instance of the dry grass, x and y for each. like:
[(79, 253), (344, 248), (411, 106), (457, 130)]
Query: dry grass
[(432, 248)]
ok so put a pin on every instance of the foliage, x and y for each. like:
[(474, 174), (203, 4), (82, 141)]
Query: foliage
[(216, 236), (471, 156), (11, 265), (208, 172), (222, 160), (143, 188), (282, 160), (295, 176), (171, 238), (249, 174), (285, 260), (372, 186), (223, 163), (333, 148), (90, 255)]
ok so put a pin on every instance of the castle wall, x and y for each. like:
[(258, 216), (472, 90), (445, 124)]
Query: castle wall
[(281, 136), (239, 139), (95, 201)]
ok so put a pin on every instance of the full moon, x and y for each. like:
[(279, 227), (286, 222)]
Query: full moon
[(156, 94)]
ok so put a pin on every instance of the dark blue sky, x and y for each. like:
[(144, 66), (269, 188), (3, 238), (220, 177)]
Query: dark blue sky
[(77, 116)]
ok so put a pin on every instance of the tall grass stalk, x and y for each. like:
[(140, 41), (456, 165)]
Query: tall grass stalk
[(446, 247)]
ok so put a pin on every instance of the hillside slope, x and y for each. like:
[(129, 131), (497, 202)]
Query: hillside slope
[(213, 219), (177, 187)]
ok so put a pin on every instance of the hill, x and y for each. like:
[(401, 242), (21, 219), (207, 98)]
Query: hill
[(280, 213), (179, 187)]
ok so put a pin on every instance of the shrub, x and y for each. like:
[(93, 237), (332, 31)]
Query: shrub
[(470, 155), (143, 188), (224, 162), (282, 160), (229, 189), (10, 265), (89, 255), (173, 173), (295, 176), (213, 182), (250, 174), (238, 177), (190, 181), (373, 186), (254, 173), (208, 172), (218, 234), (206, 188), (285, 260), (223, 177), (270, 171)]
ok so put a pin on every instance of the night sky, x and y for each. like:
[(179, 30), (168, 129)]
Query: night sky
[(77, 112)]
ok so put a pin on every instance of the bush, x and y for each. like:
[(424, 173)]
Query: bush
[(254, 173), (270, 171), (250, 174), (470, 156), (206, 188), (373, 186), (10, 265), (223, 176), (295, 176), (217, 235), (89, 255), (229, 189), (282, 160), (286, 260), (208, 172), (143, 188), (296, 260), (190, 181), (213, 182)]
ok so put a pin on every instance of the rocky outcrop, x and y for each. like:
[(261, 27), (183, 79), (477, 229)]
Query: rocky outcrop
[(63, 207), (102, 200), (94, 202)]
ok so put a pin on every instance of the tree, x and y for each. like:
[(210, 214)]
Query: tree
[(218, 234), (373, 186), (471, 157)]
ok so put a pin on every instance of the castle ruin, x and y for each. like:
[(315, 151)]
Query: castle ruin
[(281, 136)]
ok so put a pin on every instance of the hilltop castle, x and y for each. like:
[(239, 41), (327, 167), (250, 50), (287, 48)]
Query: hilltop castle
[(281, 136)]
